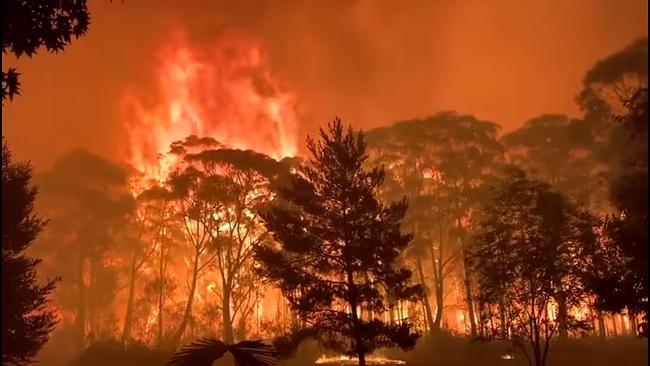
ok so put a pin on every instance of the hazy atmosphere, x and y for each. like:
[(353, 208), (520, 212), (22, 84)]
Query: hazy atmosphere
[(370, 62), (325, 182)]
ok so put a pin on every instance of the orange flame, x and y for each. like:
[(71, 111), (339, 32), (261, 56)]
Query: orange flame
[(224, 91)]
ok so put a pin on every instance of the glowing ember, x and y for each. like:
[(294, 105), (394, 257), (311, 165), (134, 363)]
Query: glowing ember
[(224, 91), (344, 360)]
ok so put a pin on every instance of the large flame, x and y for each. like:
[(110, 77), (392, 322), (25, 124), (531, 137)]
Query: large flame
[(224, 90)]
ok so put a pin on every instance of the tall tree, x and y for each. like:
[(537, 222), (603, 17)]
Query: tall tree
[(27, 315), (613, 80), (220, 192), (88, 201), (563, 152), (337, 247), (530, 260), (30, 25), (440, 164), (625, 285)]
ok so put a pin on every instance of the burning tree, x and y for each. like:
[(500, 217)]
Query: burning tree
[(530, 258), (621, 282), (337, 247), (219, 194)]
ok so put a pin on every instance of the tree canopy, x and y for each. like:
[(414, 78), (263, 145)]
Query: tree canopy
[(336, 247), (30, 25)]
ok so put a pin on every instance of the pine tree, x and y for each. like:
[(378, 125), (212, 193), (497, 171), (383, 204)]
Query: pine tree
[(337, 246), (26, 318)]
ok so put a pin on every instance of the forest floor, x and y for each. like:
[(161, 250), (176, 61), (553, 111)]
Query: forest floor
[(431, 351), (455, 351)]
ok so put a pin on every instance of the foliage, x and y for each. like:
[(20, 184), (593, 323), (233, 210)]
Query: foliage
[(440, 164), (30, 25), (27, 315), (612, 80), (204, 352), (625, 282), (220, 192), (88, 201), (530, 259), (337, 247), (563, 152)]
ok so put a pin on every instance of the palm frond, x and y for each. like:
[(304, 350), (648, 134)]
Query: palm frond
[(254, 353), (202, 352)]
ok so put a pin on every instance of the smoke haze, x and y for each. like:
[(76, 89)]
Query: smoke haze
[(370, 62)]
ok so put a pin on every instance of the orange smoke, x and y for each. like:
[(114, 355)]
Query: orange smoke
[(224, 91)]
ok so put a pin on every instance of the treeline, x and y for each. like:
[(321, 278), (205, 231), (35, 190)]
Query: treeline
[(536, 233)]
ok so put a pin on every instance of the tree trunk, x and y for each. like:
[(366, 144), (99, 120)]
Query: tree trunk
[(190, 299), (161, 291), (425, 299), (468, 294), (225, 312), (633, 324), (562, 316), (502, 319), (128, 317), (468, 282), (80, 320), (439, 306), (601, 325), (437, 289)]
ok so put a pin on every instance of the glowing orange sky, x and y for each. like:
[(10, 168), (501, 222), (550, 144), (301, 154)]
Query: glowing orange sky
[(370, 62)]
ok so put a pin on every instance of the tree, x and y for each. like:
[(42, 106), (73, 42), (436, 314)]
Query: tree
[(336, 248), (89, 202), (155, 204), (564, 152), (149, 221), (220, 192), (625, 284), (613, 80), (27, 315), (529, 256), (30, 25), (440, 163)]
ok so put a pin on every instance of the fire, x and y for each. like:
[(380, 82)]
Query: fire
[(224, 91), (345, 360)]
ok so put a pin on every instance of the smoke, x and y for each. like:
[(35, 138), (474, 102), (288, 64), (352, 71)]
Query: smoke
[(371, 62)]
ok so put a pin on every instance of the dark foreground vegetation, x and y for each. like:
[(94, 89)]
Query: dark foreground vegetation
[(443, 350), (542, 232)]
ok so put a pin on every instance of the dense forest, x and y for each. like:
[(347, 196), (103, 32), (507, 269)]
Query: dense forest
[(441, 225)]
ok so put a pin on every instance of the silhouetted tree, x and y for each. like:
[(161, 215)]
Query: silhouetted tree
[(563, 152), (88, 201), (220, 192), (613, 80), (529, 256), (156, 215), (337, 247), (624, 285), (440, 164), (30, 25), (27, 316), (149, 223)]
